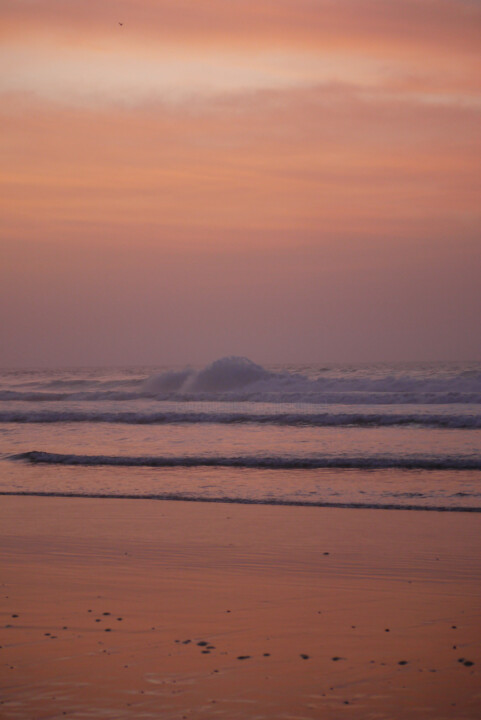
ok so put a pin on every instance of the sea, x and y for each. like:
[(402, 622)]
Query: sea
[(380, 435)]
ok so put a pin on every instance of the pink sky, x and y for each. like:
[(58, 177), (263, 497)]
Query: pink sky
[(291, 180)]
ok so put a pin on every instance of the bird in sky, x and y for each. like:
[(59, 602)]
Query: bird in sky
[(121, 24)]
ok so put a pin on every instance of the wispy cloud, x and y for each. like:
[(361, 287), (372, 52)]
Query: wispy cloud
[(78, 52)]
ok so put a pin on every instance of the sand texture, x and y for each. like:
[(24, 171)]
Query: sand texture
[(144, 609)]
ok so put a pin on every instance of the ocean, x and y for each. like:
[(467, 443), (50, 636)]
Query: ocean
[(383, 435)]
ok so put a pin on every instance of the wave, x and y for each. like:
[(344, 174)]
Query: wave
[(308, 397), (382, 462), (292, 419), (236, 375), (179, 497), (92, 383), (93, 396), (225, 374), (238, 379)]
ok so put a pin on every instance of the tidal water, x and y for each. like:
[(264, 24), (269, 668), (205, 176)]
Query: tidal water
[(379, 436)]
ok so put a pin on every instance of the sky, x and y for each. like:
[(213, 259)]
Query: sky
[(287, 180)]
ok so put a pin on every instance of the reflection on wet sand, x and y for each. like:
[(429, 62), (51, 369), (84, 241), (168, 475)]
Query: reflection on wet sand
[(131, 609)]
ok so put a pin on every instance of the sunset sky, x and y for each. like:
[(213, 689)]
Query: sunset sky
[(290, 180)]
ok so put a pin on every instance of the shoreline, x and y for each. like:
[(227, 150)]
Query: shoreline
[(241, 501), (305, 612)]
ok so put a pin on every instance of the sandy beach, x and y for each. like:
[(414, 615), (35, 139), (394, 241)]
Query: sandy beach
[(240, 360), (152, 609)]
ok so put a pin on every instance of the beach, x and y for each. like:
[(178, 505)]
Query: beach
[(240, 360), (162, 609)]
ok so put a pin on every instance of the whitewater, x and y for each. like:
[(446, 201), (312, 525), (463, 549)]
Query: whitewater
[(379, 435)]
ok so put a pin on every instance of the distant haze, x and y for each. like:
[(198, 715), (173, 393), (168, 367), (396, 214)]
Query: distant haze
[(287, 180)]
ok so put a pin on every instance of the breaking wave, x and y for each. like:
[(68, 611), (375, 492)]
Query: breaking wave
[(293, 419), (239, 379), (403, 462), (224, 375), (308, 396)]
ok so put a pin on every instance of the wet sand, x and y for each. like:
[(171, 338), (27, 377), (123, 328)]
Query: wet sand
[(145, 609)]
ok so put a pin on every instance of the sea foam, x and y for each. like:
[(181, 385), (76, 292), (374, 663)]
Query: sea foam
[(238, 379), (224, 375)]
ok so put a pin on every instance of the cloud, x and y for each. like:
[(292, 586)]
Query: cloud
[(326, 160), (447, 24)]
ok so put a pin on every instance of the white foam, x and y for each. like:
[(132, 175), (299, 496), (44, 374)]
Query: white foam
[(224, 375), (240, 379), (237, 379)]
